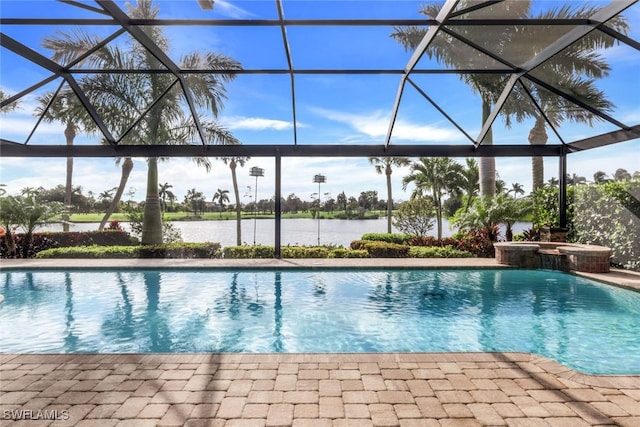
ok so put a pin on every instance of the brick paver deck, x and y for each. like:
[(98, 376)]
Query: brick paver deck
[(407, 389), (420, 389)]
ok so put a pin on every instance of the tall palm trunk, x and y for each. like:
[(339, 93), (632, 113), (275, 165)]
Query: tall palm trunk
[(389, 198), (538, 136), (70, 135), (127, 167), (232, 166), (487, 165), (438, 200), (152, 215)]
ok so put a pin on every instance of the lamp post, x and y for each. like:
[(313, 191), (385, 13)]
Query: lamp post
[(320, 179), (255, 171)]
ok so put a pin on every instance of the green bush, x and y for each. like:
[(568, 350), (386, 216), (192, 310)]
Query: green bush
[(93, 251), (608, 214), (348, 253), (398, 238), (358, 244), (386, 250), (170, 250), (437, 252), (304, 252), (248, 252), (48, 240), (546, 211)]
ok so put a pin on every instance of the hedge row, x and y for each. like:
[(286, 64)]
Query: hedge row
[(44, 241), (169, 250), (398, 238), (438, 252), (260, 251)]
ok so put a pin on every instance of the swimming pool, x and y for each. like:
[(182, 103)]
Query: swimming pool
[(585, 325)]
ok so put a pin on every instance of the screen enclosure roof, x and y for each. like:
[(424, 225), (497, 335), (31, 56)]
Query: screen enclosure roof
[(318, 78)]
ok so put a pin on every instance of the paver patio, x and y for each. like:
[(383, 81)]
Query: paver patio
[(382, 389), (420, 389)]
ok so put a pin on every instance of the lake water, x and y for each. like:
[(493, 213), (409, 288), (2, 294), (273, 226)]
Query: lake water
[(298, 231)]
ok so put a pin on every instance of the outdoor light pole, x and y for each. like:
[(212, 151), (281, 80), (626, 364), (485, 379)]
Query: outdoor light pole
[(255, 171), (320, 179)]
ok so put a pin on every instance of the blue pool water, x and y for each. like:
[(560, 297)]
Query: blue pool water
[(591, 327)]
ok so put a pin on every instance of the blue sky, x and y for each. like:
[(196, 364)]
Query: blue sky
[(331, 109)]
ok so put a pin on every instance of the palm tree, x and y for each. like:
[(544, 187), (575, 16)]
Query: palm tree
[(106, 195), (163, 192), (440, 175), (564, 71), (468, 181), (193, 198), (516, 188), (233, 163), (487, 212), (341, 199), (574, 71), (127, 167), (221, 196), (123, 97), (599, 177), (9, 107), (384, 165), (449, 51), (65, 107), (575, 179), (621, 175)]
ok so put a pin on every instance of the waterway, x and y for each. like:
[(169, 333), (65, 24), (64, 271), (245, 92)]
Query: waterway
[(295, 231)]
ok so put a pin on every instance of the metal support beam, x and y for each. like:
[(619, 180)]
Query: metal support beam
[(553, 49), (562, 197), (278, 207), (44, 62), (12, 149), (605, 139), (287, 50), (445, 12), (138, 34)]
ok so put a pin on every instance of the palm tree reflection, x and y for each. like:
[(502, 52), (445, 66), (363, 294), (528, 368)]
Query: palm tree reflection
[(278, 346), (70, 340)]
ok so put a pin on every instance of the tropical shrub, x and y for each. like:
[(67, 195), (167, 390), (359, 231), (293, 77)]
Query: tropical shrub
[(304, 252), (432, 241), (247, 252), (358, 244), (386, 250), (170, 250), (488, 212), (114, 226), (546, 212), (479, 242), (608, 214), (27, 212), (348, 253), (398, 238), (437, 252), (42, 241)]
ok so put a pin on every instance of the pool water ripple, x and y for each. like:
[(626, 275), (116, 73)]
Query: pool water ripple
[(583, 324)]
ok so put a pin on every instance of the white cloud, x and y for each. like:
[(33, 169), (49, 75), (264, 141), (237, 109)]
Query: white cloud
[(231, 10), (630, 116), (20, 127), (256, 123), (375, 124)]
